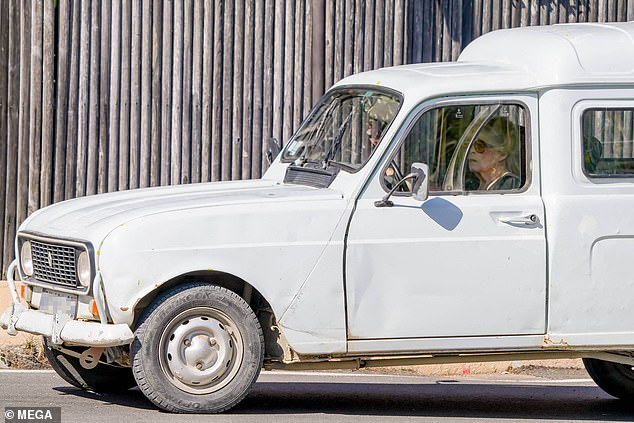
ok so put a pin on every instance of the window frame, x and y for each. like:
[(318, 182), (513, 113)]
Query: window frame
[(422, 108), (323, 98), (601, 105)]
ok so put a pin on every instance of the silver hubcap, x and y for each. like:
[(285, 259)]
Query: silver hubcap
[(201, 350)]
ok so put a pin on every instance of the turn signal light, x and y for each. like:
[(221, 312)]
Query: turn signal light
[(24, 292), (93, 308)]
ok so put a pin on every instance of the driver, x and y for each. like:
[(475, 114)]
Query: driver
[(493, 157), (374, 131)]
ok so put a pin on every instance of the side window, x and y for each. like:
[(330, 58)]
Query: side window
[(470, 147), (608, 142)]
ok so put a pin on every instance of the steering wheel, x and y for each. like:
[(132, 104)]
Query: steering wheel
[(454, 176)]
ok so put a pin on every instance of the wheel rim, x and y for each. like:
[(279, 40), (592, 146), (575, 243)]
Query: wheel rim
[(201, 350)]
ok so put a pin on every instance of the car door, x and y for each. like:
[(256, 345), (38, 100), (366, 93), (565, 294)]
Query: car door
[(466, 262)]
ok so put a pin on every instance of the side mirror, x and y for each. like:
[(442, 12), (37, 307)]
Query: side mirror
[(419, 186), (273, 148)]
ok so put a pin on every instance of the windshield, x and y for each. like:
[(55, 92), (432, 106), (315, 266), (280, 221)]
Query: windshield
[(344, 129)]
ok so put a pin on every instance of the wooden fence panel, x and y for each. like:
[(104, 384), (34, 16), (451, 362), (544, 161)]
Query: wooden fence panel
[(166, 94), (71, 88), (186, 115), (4, 118), (216, 113), (91, 149), (278, 69), (157, 78), (134, 136), (400, 38), (357, 57), (234, 145), (388, 51), (286, 90), (145, 142), (366, 22), (63, 53), (258, 87), (379, 33), (104, 96), (177, 92), (21, 96), (14, 174), (48, 40), (35, 107), (297, 103), (269, 82), (248, 90), (83, 111), (308, 32), (115, 96), (197, 93), (425, 41), (348, 41), (207, 91), (333, 36), (124, 105)]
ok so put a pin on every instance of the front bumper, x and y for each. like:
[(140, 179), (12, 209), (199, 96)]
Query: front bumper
[(73, 331), (60, 327)]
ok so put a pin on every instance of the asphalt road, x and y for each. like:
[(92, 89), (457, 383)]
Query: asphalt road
[(337, 397)]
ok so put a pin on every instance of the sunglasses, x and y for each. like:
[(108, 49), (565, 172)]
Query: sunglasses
[(479, 146)]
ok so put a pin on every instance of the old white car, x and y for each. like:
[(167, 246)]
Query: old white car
[(446, 212)]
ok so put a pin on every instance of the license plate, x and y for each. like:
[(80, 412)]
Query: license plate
[(57, 302)]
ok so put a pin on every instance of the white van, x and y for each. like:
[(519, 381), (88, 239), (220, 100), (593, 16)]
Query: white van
[(445, 212)]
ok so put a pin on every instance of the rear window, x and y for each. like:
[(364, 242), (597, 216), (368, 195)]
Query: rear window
[(608, 142)]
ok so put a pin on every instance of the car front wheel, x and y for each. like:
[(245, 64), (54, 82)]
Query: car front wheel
[(198, 349)]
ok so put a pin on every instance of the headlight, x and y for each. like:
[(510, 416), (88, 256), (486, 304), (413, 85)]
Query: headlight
[(26, 258), (83, 268)]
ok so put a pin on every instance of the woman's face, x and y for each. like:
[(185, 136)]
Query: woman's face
[(483, 158), (373, 133)]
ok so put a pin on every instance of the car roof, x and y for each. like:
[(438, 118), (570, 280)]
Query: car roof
[(520, 59)]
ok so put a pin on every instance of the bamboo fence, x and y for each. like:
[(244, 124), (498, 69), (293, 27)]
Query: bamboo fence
[(100, 96)]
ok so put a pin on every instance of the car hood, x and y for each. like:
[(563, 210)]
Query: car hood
[(92, 218)]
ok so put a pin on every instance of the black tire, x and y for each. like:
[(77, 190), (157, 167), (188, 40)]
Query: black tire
[(198, 348), (103, 378), (614, 378)]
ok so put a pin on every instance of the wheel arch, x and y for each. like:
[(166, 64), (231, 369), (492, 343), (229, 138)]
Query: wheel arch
[(275, 343)]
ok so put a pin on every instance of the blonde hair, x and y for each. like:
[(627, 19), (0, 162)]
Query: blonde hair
[(503, 136)]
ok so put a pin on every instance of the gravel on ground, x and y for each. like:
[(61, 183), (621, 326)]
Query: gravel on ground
[(29, 355)]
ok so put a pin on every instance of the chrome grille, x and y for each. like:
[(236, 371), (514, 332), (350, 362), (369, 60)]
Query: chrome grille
[(54, 263)]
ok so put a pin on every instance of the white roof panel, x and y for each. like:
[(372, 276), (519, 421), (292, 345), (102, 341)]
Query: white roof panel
[(561, 54), (520, 59)]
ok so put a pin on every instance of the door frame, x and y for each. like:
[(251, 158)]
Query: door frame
[(530, 101)]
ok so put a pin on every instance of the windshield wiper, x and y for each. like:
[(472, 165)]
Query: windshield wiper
[(336, 142)]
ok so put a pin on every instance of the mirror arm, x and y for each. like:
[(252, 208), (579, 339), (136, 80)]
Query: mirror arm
[(385, 201), (271, 153)]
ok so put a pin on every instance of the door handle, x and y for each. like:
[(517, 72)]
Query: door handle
[(527, 220)]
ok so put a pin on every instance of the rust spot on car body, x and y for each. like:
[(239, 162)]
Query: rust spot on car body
[(559, 343)]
